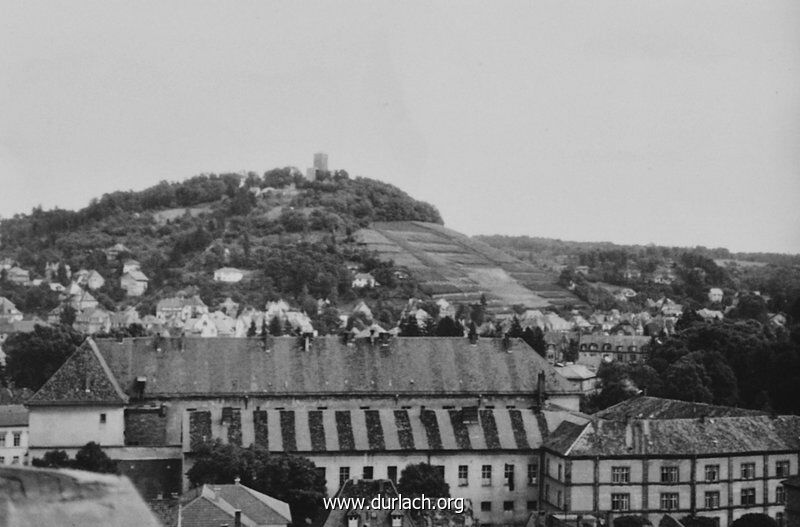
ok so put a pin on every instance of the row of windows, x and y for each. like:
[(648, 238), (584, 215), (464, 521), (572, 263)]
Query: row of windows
[(14, 460), (670, 500), (16, 438), (609, 347), (508, 506), (463, 474), (622, 474)]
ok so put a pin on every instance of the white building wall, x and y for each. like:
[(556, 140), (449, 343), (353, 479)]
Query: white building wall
[(10, 453), (61, 427)]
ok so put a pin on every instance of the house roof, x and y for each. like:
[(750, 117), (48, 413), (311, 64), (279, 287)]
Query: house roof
[(367, 489), (394, 430), (681, 437), (215, 506), (84, 379), (576, 371), (228, 270), (13, 415), (178, 302), (616, 340), (413, 365), (137, 275), (22, 326), (643, 407)]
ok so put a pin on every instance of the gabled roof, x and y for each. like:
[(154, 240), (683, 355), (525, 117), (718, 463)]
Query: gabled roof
[(84, 379), (643, 407), (137, 275), (681, 437), (412, 365), (215, 506)]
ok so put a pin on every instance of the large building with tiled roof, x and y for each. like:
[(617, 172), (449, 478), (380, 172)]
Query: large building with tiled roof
[(362, 408), (595, 349), (652, 456)]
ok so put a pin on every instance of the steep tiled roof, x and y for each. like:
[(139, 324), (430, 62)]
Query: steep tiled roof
[(386, 429), (643, 407), (215, 506), (366, 489), (419, 365), (666, 437), (84, 378)]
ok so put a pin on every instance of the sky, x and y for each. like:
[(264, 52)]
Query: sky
[(640, 121)]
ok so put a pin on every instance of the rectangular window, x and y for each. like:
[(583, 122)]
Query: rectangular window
[(321, 473), (780, 494), (712, 500), (533, 474), (669, 475), (749, 496), (102, 419), (344, 475), (669, 501), (559, 498), (712, 472), (559, 472), (367, 473), (440, 468), (532, 505), (463, 475), (508, 476), (391, 473), (620, 501), (620, 474), (15, 460), (17, 438), (508, 506), (2, 460), (486, 506), (782, 469), (748, 471), (486, 475)]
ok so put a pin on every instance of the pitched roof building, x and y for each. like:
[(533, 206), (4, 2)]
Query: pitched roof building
[(234, 505)]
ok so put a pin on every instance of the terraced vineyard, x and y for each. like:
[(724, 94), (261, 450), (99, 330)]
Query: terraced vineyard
[(453, 266)]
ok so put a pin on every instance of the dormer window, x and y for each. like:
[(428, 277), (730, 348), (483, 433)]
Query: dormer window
[(352, 519), (397, 519)]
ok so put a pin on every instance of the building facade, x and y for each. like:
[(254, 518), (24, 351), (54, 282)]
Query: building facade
[(13, 435)]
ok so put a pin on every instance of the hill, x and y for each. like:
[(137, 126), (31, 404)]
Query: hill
[(450, 265)]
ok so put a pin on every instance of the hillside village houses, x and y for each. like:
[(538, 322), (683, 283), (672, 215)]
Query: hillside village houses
[(134, 282), (715, 295), (361, 280)]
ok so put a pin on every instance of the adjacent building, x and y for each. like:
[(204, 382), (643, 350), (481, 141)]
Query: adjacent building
[(228, 274), (649, 456), (596, 349), (134, 282), (13, 435), (233, 505)]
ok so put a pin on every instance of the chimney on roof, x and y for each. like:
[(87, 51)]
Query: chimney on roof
[(541, 386), (237, 518), (306, 341), (237, 480)]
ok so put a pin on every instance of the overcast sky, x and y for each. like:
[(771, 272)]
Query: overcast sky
[(672, 122)]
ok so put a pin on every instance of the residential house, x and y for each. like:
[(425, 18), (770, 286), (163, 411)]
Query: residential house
[(229, 307), (446, 309), (649, 456), (7, 263), (581, 377), (131, 265), (26, 325), (363, 309), (94, 280), (91, 321), (225, 325), (368, 407), (180, 307), (368, 489), (361, 280), (125, 318), (56, 287), (134, 282), (233, 505), (715, 295), (83, 301), (9, 311), (18, 275), (13, 434), (228, 274), (595, 349), (277, 309), (80, 277), (200, 326)]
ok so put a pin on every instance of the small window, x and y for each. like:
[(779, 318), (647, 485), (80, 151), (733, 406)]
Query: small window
[(486, 506), (748, 470), (102, 419), (669, 501), (17, 438), (344, 475), (780, 494), (486, 475), (533, 474), (620, 501), (669, 475), (620, 474), (782, 469), (463, 475), (508, 506), (712, 472), (749, 496), (367, 473), (712, 500), (15, 460), (391, 473), (508, 476)]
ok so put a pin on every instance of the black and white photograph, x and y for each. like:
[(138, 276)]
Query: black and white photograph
[(521, 263)]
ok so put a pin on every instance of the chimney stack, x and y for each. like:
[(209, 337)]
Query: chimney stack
[(540, 389), (237, 518)]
